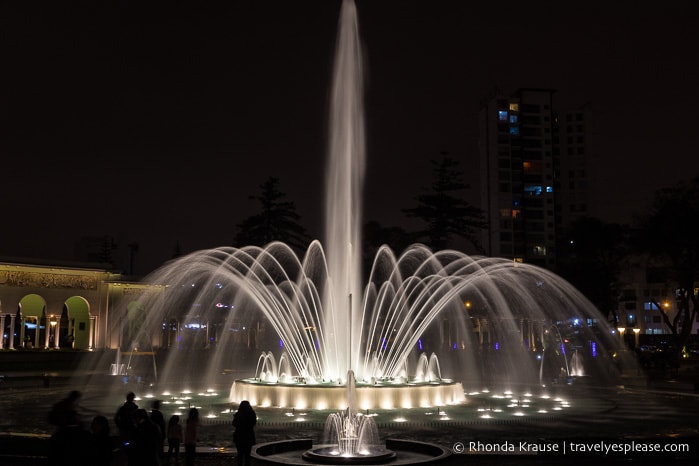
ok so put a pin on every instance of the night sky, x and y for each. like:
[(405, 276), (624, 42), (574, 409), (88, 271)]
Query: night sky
[(154, 124)]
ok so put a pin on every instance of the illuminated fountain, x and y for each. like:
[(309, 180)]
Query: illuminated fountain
[(351, 347), (349, 434), (491, 320), (577, 368)]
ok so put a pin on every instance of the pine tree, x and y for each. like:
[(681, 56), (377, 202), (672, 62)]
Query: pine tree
[(445, 213), (278, 220)]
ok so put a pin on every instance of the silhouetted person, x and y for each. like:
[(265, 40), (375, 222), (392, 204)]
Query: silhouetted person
[(68, 442), (244, 422), (174, 438), (102, 446), (159, 420), (124, 417), (190, 436), (65, 412), (146, 443)]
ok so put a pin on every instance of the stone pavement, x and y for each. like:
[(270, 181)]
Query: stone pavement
[(633, 416)]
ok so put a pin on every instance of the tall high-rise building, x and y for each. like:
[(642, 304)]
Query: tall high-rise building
[(533, 177)]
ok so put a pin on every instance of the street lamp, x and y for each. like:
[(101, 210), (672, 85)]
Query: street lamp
[(621, 331), (636, 331)]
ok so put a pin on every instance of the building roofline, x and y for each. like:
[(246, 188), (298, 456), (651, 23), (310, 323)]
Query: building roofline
[(51, 263)]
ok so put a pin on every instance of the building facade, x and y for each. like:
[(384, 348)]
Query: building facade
[(533, 174), (62, 306)]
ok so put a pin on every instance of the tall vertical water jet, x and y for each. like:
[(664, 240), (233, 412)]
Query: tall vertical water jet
[(345, 178), (327, 326)]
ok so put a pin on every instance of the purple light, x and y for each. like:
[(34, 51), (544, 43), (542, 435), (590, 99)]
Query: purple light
[(594, 349), (419, 344)]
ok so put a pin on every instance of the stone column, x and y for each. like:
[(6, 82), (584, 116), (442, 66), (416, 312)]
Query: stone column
[(57, 334), (90, 345), (47, 329), (22, 320), (11, 343), (2, 331)]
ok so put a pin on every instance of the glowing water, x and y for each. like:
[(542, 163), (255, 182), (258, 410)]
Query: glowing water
[(345, 179), (328, 325), (576, 365), (350, 432)]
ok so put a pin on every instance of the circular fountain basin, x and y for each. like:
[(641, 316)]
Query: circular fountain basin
[(301, 451), (334, 396), (328, 454)]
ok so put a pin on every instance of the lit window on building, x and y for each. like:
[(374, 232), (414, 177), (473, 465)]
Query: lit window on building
[(532, 190), (502, 115), (514, 107), (514, 130), (505, 213), (539, 250), (513, 118)]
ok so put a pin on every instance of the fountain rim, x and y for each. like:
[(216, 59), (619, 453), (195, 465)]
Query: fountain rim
[(265, 452), (377, 454), (330, 384)]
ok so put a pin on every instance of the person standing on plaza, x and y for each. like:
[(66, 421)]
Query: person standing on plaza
[(101, 446), (146, 443), (124, 417), (244, 422), (190, 436), (67, 442), (174, 438), (65, 413), (159, 420)]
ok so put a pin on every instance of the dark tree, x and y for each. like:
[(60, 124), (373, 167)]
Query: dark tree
[(376, 235), (670, 234), (589, 255), (278, 220), (444, 211)]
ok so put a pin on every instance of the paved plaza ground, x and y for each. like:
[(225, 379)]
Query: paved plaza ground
[(494, 427)]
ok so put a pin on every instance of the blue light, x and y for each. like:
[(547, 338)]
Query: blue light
[(497, 346), (563, 349), (384, 344), (594, 349), (281, 344), (454, 345), (419, 344)]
